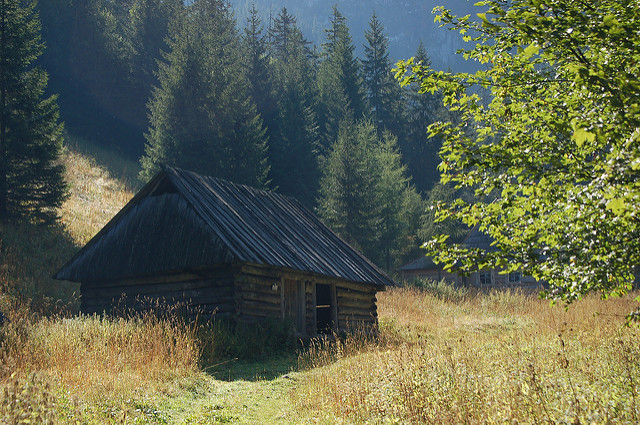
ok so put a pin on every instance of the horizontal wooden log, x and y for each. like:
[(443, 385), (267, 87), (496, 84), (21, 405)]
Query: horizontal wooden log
[(345, 304), (257, 270), (264, 289), (199, 275), (257, 280), (188, 298), (257, 316), (356, 311), (267, 299), (362, 287), (247, 306), (341, 295), (167, 294)]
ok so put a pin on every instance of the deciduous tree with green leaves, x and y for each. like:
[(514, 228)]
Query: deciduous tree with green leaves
[(31, 177), (557, 149)]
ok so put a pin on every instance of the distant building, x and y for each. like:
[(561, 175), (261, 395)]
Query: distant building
[(226, 250), (426, 268)]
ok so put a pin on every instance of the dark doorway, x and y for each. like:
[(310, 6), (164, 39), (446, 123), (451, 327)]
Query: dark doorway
[(324, 309)]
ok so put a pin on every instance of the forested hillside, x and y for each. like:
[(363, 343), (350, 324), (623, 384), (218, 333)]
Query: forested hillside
[(407, 22), (303, 104)]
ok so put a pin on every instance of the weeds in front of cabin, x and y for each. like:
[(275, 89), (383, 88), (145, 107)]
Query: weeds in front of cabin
[(91, 361), (498, 357)]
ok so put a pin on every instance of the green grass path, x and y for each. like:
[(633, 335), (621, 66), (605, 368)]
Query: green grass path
[(240, 393)]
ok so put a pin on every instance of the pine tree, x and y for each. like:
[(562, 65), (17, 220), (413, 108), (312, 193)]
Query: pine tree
[(383, 92), (31, 179), (419, 150), (202, 116), (348, 186), (256, 61), (339, 83), (294, 142)]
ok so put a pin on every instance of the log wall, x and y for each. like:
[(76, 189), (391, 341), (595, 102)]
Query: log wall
[(245, 292), (357, 308), (195, 295), (257, 294)]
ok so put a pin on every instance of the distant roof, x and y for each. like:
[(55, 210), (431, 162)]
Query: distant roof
[(421, 263), (181, 220), (474, 239), (480, 240)]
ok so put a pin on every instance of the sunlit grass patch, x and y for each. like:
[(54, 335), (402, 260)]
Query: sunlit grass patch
[(491, 358), (95, 196)]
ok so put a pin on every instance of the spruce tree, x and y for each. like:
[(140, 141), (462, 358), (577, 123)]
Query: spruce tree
[(397, 207), (383, 92), (366, 196), (339, 83), (256, 61), (31, 178), (347, 201), (294, 142), (419, 150), (202, 116)]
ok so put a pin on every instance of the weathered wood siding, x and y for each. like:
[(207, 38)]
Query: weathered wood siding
[(211, 295), (244, 292), (356, 306), (257, 294)]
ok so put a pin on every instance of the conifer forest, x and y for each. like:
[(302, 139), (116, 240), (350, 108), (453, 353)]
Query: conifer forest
[(188, 84)]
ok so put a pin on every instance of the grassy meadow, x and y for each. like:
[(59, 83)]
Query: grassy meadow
[(443, 355)]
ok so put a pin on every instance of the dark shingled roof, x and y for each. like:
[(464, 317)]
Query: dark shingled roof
[(181, 220), (421, 263), (480, 240), (474, 239)]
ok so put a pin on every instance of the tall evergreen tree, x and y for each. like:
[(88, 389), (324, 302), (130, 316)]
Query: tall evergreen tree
[(31, 179), (145, 29), (281, 30), (202, 116), (339, 83), (398, 206), (419, 150), (347, 201), (365, 194), (294, 142), (256, 61), (383, 92)]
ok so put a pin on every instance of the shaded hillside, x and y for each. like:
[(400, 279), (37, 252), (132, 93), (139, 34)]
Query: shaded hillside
[(30, 254)]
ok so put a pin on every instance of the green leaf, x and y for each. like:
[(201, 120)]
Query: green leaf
[(531, 50), (610, 21), (580, 136), (618, 206)]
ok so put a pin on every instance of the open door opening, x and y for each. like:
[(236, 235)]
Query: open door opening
[(325, 307)]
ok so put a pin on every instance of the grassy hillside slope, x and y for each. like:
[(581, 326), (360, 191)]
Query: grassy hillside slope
[(31, 254)]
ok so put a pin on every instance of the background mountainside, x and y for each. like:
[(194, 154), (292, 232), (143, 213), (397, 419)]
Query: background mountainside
[(406, 22)]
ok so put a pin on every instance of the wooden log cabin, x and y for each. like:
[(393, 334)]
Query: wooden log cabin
[(226, 250)]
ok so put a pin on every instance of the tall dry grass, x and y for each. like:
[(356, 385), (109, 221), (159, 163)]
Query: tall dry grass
[(501, 357), (60, 367)]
